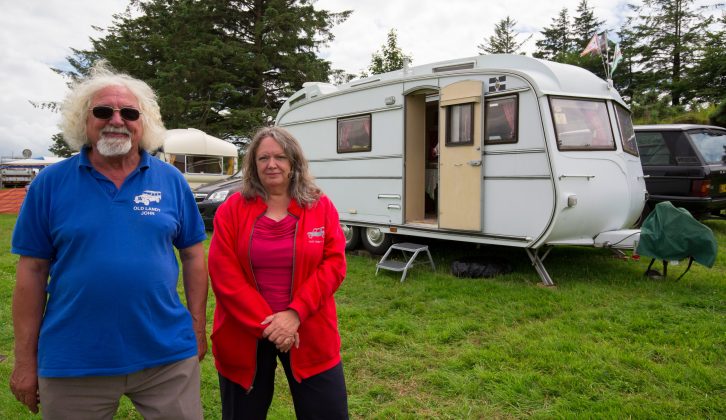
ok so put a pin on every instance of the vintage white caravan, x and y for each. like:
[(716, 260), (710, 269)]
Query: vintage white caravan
[(496, 149), (200, 157)]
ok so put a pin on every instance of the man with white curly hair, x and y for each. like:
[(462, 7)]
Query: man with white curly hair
[(96, 311)]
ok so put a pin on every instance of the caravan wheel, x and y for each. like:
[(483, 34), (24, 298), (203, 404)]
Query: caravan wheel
[(352, 236), (375, 241)]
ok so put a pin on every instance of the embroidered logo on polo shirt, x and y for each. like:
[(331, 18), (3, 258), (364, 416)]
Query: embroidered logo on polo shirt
[(147, 197), (316, 235)]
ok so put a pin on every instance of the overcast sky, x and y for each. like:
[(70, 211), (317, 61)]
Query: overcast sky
[(36, 35)]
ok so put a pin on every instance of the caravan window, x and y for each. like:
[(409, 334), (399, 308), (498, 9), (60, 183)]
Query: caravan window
[(354, 134), (501, 120), (627, 134), (198, 164), (204, 165), (582, 124), (460, 124)]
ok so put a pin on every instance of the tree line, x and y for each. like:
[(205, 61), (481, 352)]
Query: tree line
[(221, 66), (226, 66), (673, 54)]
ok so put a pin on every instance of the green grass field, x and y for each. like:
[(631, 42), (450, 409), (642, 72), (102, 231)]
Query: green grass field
[(607, 342)]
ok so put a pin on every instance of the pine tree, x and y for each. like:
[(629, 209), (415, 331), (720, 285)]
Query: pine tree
[(585, 26), (558, 43), (504, 40), (708, 76), (221, 66), (669, 36), (390, 57), (59, 147)]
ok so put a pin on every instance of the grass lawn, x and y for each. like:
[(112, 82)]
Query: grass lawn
[(607, 342)]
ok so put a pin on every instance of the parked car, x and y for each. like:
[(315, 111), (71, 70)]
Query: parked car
[(686, 165), (210, 196)]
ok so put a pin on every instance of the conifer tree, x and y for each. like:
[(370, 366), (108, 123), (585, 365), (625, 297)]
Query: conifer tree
[(669, 36), (558, 43), (504, 40), (221, 66), (390, 57)]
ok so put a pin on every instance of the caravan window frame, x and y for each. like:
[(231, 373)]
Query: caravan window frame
[(557, 122), (515, 134), (449, 120), (353, 123), (630, 145), (226, 163)]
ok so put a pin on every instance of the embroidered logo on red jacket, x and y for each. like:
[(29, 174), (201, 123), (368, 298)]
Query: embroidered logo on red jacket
[(316, 235)]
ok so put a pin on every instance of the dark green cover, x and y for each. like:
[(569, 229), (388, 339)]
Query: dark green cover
[(670, 233)]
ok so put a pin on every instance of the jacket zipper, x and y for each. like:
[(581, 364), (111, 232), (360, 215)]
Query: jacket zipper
[(292, 280), (294, 246)]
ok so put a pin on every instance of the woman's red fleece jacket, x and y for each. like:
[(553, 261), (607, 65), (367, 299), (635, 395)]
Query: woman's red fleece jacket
[(318, 270)]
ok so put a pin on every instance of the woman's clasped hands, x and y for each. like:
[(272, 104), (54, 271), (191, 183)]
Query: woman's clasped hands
[(282, 329)]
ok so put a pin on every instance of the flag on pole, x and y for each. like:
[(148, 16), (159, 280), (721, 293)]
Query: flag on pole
[(617, 57), (597, 44)]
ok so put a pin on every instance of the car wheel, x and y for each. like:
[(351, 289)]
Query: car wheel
[(375, 241), (352, 236)]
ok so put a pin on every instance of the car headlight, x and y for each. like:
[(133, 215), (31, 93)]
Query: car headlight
[(218, 196)]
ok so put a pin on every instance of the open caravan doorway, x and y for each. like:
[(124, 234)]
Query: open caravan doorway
[(421, 158)]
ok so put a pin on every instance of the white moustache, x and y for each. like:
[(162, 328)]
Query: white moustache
[(116, 130)]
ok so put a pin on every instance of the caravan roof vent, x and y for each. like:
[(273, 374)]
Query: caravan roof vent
[(293, 101), (454, 67)]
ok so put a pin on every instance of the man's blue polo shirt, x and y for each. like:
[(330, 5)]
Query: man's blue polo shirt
[(113, 306)]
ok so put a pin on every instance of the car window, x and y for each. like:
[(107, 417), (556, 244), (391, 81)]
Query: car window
[(712, 145), (653, 149), (665, 148)]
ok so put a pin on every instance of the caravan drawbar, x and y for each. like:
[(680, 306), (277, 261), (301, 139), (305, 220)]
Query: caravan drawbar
[(496, 149)]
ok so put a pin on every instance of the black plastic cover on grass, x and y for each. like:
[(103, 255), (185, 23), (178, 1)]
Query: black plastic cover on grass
[(480, 266)]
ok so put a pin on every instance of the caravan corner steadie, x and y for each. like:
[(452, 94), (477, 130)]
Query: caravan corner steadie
[(496, 149), (200, 157)]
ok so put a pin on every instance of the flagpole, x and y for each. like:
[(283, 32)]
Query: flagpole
[(604, 58), (609, 72), (595, 47)]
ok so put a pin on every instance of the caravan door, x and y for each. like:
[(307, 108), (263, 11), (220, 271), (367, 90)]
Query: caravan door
[(460, 157)]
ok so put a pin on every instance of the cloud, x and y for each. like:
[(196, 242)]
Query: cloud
[(37, 35), (431, 30)]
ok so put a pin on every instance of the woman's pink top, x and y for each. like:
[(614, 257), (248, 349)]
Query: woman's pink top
[(271, 255)]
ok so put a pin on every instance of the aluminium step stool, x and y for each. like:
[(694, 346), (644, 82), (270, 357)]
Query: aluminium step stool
[(410, 252)]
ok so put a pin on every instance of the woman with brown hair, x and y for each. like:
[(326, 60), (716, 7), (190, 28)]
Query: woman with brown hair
[(276, 259)]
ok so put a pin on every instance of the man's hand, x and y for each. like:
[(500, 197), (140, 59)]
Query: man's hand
[(24, 385), (201, 334), (196, 283), (28, 305)]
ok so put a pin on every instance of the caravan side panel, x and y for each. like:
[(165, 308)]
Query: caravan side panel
[(365, 186), (517, 189)]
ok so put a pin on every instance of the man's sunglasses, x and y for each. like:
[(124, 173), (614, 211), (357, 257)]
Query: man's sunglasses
[(106, 112)]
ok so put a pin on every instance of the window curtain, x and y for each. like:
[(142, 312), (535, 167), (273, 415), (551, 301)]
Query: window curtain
[(592, 117), (345, 129), (508, 108)]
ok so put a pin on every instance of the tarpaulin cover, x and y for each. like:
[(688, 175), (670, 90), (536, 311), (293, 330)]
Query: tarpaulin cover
[(481, 266), (671, 234)]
